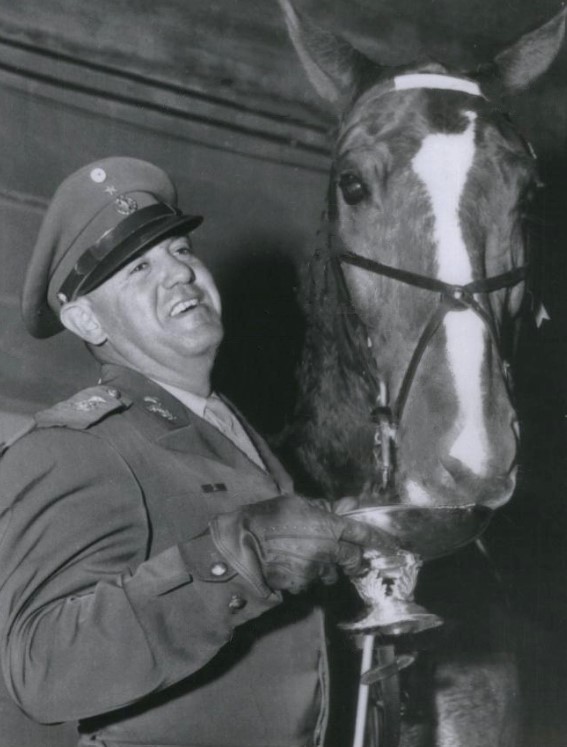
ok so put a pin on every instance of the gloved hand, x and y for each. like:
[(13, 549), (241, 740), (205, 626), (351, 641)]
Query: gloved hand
[(285, 543)]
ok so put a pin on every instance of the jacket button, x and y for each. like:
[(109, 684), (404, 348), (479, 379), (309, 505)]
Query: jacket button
[(112, 392), (219, 569), (236, 602)]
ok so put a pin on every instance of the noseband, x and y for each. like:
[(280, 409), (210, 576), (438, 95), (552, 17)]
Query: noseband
[(452, 297)]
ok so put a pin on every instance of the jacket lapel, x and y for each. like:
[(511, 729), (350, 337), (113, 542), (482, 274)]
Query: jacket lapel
[(165, 420)]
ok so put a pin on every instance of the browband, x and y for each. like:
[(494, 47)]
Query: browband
[(436, 81)]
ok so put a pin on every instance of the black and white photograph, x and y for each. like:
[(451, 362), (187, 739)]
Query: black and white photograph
[(283, 353)]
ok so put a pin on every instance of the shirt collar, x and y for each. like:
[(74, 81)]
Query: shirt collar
[(192, 401)]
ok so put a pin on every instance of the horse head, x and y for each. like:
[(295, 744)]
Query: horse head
[(421, 274)]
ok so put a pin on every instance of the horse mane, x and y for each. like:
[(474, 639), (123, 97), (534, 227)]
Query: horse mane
[(332, 430)]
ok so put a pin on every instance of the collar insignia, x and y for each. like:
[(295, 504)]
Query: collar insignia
[(154, 405)]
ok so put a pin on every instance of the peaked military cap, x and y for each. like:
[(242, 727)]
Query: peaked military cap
[(100, 218)]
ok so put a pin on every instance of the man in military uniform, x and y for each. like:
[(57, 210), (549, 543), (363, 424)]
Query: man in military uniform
[(148, 535)]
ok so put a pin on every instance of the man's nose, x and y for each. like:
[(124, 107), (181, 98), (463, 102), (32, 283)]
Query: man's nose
[(177, 271)]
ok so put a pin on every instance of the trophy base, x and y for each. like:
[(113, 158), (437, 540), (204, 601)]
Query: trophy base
[(413, 619)]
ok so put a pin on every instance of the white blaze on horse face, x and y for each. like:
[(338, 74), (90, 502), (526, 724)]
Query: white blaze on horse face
[(443, 164)]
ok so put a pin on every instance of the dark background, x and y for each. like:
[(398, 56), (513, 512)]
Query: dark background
[(213, 93)]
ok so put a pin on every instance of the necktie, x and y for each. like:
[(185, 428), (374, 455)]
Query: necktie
[(220, 416)]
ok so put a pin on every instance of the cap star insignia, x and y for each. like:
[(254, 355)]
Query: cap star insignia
[(110, 190)]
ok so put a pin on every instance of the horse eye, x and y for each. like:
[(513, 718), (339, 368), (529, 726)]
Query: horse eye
[(352, 188)]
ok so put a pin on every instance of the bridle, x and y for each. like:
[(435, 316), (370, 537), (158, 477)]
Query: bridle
[(451, 298), (385, 417)]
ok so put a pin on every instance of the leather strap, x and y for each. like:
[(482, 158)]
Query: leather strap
[(481, 285)]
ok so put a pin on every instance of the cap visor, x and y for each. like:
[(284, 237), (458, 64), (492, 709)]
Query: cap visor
[(137, 244)]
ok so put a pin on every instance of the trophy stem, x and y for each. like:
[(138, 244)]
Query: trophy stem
[(387, 590)]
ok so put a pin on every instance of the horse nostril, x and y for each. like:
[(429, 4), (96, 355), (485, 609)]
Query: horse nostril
[(454, 467), (492, 489)]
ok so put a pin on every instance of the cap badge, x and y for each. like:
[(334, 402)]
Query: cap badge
[(98, 175), (125, 205)]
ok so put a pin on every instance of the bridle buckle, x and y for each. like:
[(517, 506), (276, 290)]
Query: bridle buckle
[(458, 296)]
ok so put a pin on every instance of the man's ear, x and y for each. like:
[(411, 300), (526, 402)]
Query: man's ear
[(80, 318)]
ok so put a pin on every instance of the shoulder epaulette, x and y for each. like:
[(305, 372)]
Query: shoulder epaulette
[(79, 412), (83, 409)]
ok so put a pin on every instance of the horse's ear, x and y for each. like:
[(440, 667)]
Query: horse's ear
[(333, 66), (523, 62)]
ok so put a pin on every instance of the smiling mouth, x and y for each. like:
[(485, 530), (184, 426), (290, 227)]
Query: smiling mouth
[(182, 307)]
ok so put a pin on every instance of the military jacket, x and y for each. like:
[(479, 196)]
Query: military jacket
[(115, 607)]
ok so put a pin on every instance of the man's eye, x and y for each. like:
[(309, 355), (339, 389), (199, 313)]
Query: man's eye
[(138, 267), (183, 250)]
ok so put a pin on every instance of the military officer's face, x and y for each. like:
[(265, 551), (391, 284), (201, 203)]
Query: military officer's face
[(161, 310)]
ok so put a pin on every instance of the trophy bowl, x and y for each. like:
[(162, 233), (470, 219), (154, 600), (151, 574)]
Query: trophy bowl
[(422, 534)]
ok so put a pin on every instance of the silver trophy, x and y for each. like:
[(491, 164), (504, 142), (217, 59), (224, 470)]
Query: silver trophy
[(422, 534), (387, 588)]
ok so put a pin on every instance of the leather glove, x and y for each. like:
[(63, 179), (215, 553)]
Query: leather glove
[(286, 543)]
